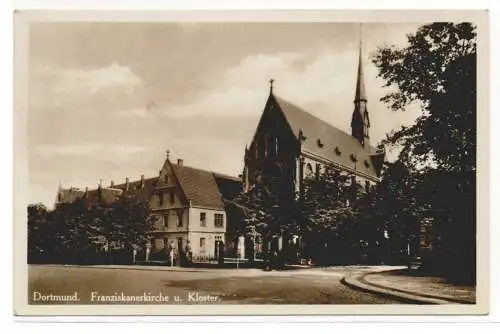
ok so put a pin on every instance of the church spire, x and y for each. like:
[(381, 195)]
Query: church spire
[(360, 123), (360, 83)]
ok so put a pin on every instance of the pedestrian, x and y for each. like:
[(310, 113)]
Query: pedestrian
[(188, 253), (275, 260), (171, 254)]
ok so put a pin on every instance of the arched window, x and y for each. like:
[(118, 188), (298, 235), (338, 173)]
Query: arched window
[(309, 170), (266, 145)]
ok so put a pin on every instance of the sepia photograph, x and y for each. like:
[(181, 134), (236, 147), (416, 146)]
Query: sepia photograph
[(203, 162)]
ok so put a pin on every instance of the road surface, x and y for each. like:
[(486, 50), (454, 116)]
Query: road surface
[(91, 285)]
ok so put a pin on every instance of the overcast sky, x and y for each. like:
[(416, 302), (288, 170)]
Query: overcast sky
[(108, 99)]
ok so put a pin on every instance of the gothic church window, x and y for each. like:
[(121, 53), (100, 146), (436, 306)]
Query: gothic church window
[(309, 170), (266, 145)]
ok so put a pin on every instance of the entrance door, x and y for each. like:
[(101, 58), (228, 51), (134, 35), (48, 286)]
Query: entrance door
[(180, 251)]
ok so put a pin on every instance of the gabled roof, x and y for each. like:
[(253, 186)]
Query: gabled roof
[(326, 141), (69, 195), (140, 189), (199, 186), (229, 186)]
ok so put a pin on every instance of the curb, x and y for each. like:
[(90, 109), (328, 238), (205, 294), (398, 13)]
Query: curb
[(419, 294), (141, 268), (356, 282)]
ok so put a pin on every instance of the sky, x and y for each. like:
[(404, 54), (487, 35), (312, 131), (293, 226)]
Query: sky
[(107, 99)]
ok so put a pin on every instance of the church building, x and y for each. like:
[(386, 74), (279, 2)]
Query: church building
[(290, 145)]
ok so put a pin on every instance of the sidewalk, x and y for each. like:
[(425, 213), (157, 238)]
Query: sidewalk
[(412, 288)]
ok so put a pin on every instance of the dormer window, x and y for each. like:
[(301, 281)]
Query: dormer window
[(320, 144), (337, 151), (353, 157), (367, 164), (301, 135)]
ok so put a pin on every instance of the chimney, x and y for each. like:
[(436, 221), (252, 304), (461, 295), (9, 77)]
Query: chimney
[(111, 184), (86, 192), (180, 162), (126, 183), (142, 180)]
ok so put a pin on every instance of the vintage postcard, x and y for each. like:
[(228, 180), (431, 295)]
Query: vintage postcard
[(251, 162)]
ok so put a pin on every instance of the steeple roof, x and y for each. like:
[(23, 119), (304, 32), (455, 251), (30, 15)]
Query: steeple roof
[(360, 83)]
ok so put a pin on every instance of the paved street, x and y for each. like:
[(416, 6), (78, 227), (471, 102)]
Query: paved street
[(181, 285)]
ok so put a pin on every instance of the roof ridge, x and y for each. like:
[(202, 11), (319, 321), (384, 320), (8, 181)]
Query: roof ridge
[(308, 113), (278, 99), (194, 194), (205, 170), (132, 182)]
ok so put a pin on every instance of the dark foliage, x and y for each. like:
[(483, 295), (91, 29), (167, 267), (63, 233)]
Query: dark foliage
[(438, 71), (73, 233)]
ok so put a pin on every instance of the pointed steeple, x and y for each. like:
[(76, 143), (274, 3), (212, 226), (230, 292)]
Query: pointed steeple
[(360, 123), (360, 83)]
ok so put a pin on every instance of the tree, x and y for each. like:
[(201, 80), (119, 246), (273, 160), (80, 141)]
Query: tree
[(125, 223), (326, 217), (37, 222), (76, 233), (390, 215), (262, 210), (437, 70)]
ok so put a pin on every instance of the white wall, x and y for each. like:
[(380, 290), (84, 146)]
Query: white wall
[(195, 225), (210, 239)]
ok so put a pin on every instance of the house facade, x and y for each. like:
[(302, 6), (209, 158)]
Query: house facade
[(188, 203)]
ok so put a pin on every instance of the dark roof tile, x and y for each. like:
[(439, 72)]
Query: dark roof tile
[(330, 137), (200, 186)]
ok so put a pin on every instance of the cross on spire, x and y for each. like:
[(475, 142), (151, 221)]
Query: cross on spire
[(271, 82), (168, 154)]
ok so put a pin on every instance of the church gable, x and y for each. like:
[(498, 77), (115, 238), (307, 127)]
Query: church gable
[(273, 137)]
